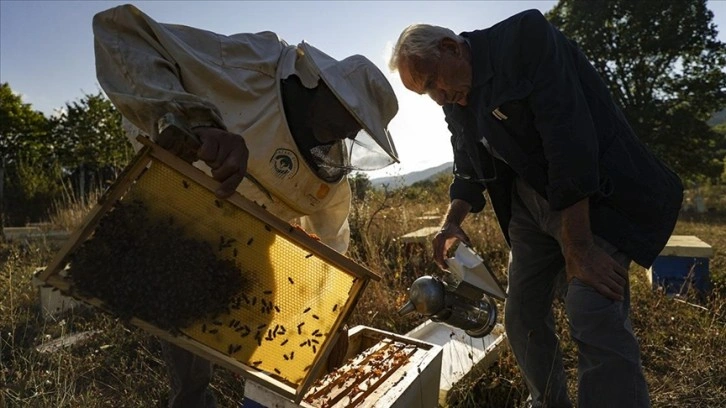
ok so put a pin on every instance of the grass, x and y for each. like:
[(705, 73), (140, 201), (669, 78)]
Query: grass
[(682, 339)]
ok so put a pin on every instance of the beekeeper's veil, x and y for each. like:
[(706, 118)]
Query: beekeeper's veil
[(365, 92)]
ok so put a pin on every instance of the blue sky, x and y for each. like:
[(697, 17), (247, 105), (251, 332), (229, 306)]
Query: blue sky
[(46, 47)]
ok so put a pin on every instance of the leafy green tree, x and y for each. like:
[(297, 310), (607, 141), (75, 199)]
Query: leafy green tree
[(23, 136), (22, 129), (664, 66), (360, 184), (85, 143), (91, 143), (721, 130)]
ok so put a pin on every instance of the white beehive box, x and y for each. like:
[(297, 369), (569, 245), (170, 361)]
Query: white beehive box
[(460, 352), (52, 301), (412, 383)]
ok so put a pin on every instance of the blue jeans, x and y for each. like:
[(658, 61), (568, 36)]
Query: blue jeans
[(609, 367)]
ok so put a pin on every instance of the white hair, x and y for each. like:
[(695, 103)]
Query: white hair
[(420, 41)]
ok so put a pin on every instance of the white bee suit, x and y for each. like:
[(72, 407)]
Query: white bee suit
[(149, 69)]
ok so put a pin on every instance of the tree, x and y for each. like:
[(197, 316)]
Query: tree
[(664, 67), (91, 140), (22, 136), (22, 129), (85, 143), (721, 130), (360, 184)]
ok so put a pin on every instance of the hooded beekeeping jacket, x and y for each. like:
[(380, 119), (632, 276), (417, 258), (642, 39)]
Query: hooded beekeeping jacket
[(149, 69)]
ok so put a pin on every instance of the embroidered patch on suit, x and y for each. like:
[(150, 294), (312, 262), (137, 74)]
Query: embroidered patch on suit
[(284, 163)]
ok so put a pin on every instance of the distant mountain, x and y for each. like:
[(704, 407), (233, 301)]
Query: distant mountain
[(406, 180)]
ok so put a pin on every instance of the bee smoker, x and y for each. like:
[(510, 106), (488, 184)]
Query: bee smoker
[(462, 298)]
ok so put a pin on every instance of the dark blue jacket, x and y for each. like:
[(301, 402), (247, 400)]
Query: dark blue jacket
[(544, 109)]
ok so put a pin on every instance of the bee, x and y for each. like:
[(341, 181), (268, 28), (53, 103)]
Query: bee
[(308, 255), (316, 317), (307, 309), (284, 342), (249, 241), (218, 203), (292, 282), (267, 292), (335, 307), (267, 227)]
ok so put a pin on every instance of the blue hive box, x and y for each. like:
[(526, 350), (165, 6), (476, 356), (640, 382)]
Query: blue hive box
[(682, 264)]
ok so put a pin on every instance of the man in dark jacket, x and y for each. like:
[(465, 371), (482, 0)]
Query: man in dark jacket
[(573, 189)]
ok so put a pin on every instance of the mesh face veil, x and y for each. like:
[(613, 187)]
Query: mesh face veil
[(335, 160), (366, 94)]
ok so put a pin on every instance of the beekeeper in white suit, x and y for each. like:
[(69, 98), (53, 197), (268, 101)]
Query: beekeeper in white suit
[(292, 117)]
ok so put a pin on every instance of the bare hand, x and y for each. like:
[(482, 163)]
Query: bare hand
[(594, 267), (226, 153), (449, 235)]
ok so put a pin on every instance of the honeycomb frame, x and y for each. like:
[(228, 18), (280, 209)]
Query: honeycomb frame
[(281, 329)]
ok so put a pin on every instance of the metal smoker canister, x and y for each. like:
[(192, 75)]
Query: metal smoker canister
[(441, 302), (460, 299)]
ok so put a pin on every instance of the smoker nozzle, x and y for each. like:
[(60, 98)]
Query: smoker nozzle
[(406, 309)]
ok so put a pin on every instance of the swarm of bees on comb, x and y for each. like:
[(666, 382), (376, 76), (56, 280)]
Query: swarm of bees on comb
[(149, 269), (350, 385)]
